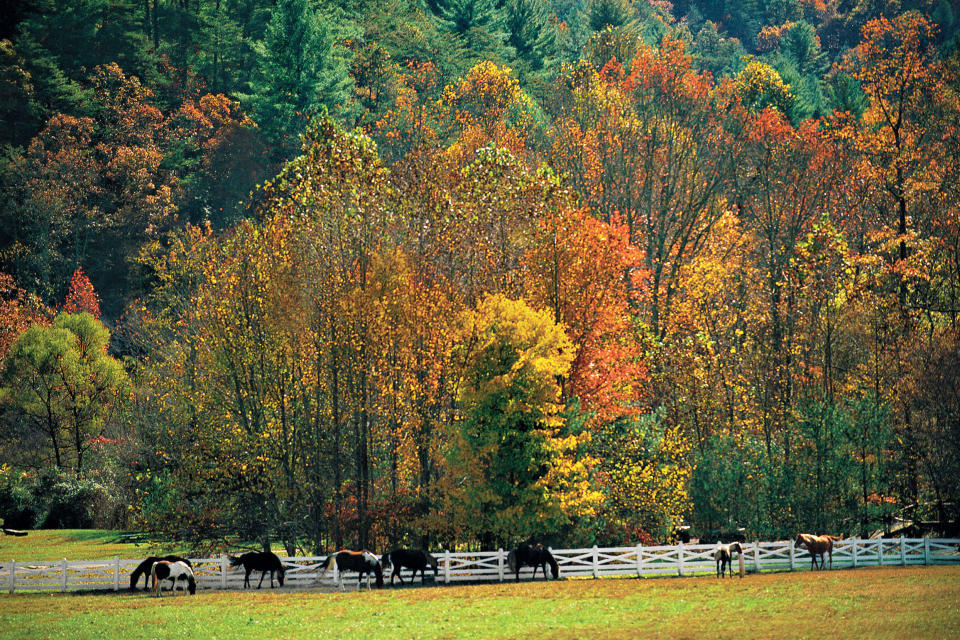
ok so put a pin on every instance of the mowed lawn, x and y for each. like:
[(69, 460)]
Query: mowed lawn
[(72, 544), (910, 602)]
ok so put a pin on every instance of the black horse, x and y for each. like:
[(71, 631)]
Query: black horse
[(363, 562), (416, 559), (533, 556), (262, 561), (144, 569)]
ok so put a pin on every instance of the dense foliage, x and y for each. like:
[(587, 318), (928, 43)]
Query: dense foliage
[(468, 272)]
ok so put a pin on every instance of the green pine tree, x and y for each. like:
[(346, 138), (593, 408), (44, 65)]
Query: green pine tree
[(302, 70)]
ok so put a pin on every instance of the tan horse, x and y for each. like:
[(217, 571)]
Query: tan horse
[(817, 546)]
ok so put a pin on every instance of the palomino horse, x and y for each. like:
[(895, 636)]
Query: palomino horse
[(532, 556), (175, 572), (416, 559), (816, 546), (363, 562), (143, 569), (261, 561), (724, 557)]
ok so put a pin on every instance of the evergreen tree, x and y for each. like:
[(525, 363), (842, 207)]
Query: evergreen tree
[(301, 71), (481, 24), (613, 13), (220, 47), (530, 31)]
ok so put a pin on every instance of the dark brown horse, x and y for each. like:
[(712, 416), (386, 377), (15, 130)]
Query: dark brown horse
[(416, 559), (532, 556), (144, 569), (363, 562), (724, 557), (816, 546), (262, 561)]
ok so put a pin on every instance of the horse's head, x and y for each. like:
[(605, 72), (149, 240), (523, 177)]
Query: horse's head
[(374, 565), (735, 548), (281, 572), (385, 560), (235, 561)]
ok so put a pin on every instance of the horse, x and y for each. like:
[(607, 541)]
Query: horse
[(144, 569), (724, 557), (816, 545), (175, 572), (532, 556), (363, 562), (416, 559), (262, 561)]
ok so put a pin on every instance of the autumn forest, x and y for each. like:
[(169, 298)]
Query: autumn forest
[(464, 273)]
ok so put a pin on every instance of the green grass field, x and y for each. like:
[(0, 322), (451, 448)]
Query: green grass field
[(902, 602), (72, 544)]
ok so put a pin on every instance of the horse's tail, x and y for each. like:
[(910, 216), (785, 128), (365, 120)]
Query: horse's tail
[(554, 567), (325, 565), (512, 560)]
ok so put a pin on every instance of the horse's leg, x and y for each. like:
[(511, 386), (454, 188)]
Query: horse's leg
[(246, 577), (262, 573)]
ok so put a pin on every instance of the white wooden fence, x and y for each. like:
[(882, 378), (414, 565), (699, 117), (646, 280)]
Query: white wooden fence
[(487, 566)]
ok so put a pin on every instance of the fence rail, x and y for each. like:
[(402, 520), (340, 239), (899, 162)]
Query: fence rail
[(491, 566)]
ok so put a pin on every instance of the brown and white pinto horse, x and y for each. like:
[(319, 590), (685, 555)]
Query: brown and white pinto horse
[(724, 557), (143, 569), (176, 572), (363, 562), (816, 546)]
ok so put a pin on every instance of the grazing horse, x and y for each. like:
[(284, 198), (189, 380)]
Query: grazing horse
[(363, 562), (416, 559), (261, 561), (144, 569), (724, 557), (176, 572), (533, 556), (817, 546)]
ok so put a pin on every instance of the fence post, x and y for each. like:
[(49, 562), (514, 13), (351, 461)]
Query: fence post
[(639, 560), (116, 573), (880, 552), (926, 549), (446, 567), (680, 559), (854, 540), (756, 555), (793, 563), (596, 562), (13, 574), (63, 571), (903, 552), (500, 562), (223, 571)]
